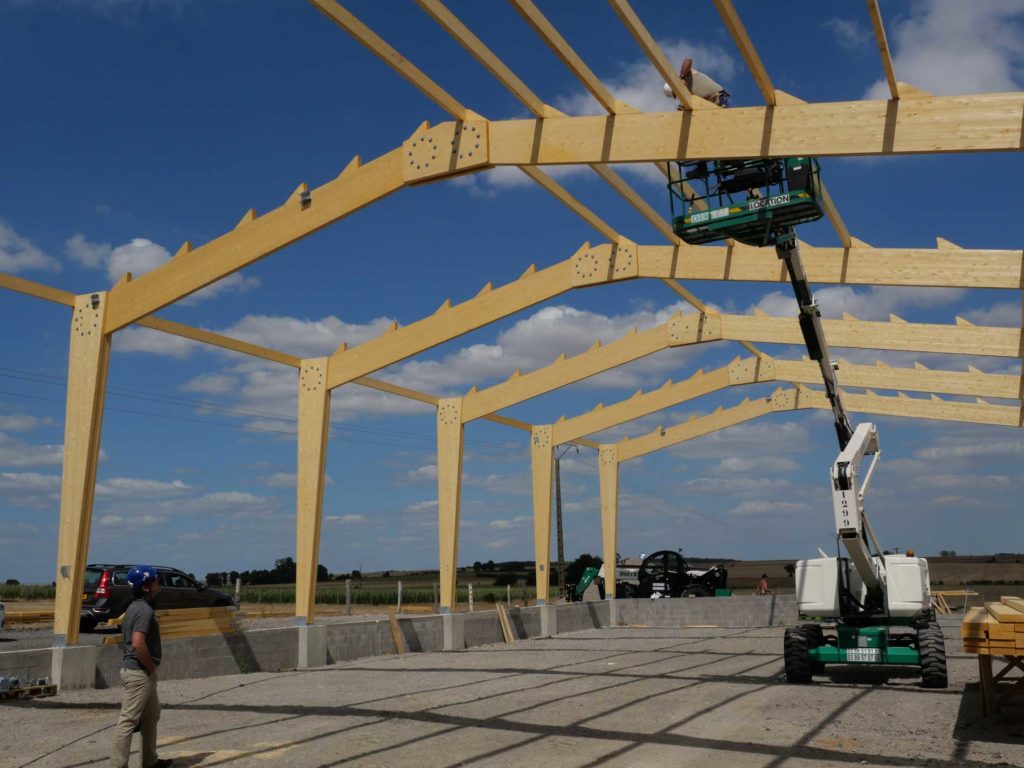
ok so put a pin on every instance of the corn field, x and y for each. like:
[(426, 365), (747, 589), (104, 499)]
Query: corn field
[(383, 596)]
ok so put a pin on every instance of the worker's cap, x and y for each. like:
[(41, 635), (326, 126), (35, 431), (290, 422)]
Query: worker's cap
[(141, 574), (668, 91)]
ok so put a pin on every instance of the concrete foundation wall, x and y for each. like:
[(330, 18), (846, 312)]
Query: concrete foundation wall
[(481, 628), (575, 617), (735, 611), (270, 650), (25, 665), (422, 633)]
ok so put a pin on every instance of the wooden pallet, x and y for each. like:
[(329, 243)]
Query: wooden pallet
[(29, 692)]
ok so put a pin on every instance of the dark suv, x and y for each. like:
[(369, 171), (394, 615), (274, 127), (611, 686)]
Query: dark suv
[(106, 593)]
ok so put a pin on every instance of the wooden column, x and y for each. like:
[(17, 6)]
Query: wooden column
[(88, 361), (541, 457), (608, 473), (314, 423), (449, 488)]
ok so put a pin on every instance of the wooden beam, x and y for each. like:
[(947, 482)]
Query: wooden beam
[(747, 49), (584, 268), (191, 270), (939, 124), (542, 455), (454, 27), (781, 97), (793, 399), (883, 47), (37, 290), (723, 418), (608, 460), (654, 53), (863, 334), (971, 383), (645, 403), (314, 424), (449, 487), (547, 32), (88, 363), (680, 330), (943, 267), (376, 45)]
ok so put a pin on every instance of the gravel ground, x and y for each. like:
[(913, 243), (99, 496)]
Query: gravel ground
[(617, 697)]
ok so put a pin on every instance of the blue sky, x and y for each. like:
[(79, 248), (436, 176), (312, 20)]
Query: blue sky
[(130, 127)]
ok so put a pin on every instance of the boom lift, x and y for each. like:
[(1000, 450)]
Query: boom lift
[(879, 604)]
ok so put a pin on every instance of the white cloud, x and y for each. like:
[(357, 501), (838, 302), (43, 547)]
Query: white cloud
[(498, 543), (849, 33), (870, 304), (422, 474), (1006, 314), (136, 339), (950, 480), (211, 384), (515, 522), (761, 507), (973, 450), (20, 422), (15, 453), (139, 256), (429, 505), (750, 439), (111, 521), (638, 83), (29, 481), (948, 47), (282, 480), (127, 487), (736, 485), (108, 521), (746, 465), (345, 518), (18, 254)]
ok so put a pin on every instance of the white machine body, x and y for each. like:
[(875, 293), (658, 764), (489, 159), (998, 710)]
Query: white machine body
[(906, 585)]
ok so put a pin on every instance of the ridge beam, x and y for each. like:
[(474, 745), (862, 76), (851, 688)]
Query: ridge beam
[(937, 124)]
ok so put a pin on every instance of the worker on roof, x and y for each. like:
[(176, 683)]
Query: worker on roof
[(699, 84)]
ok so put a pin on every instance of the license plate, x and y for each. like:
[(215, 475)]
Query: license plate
[(864, 654)]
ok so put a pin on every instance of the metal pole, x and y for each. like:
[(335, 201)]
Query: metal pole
[(348, 597), (558, 524), (238, 590), (471, 597), (399, 609)]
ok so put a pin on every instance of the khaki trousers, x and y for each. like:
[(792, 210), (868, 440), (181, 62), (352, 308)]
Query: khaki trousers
[(140, 708)]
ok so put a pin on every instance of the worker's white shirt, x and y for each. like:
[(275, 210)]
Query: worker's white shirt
[(701, 85)]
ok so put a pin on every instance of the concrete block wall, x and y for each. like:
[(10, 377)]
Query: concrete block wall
[(270, 650), (574, 617), (735, 611), (481, 628), (359, 639), (26, 665)]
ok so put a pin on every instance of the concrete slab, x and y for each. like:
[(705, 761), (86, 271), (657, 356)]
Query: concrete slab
[(604, 697)]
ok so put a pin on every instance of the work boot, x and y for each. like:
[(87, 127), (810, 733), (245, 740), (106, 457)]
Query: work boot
[(163, 762)]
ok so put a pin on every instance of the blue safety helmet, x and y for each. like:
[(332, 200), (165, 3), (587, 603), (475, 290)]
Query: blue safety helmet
[(141, 574)]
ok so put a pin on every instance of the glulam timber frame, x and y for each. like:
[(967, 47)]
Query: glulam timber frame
[(911, 122)]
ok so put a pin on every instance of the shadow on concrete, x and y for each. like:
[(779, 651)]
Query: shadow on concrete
[(1004, 727)]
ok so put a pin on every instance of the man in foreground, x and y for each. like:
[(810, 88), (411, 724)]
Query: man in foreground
[(140, 707)]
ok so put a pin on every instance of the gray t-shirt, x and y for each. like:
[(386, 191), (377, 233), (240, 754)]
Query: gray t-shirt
[(140, 617)]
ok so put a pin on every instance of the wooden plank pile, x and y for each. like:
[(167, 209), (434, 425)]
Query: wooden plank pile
[(191, 622), (29, 617), (995, 630)]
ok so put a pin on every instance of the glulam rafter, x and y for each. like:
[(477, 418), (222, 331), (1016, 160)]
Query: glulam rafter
[(883, 47)]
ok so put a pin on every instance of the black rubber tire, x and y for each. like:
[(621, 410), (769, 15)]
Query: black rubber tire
[(697, 591), (87, 623), (797, 662), (815, 634), (625, 591), (932, 647)]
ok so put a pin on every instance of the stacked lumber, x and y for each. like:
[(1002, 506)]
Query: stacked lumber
[(192, 622), (995, 630), (29, 617)]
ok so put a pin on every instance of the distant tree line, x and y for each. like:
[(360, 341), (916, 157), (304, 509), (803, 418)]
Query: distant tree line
[(283, 572)]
